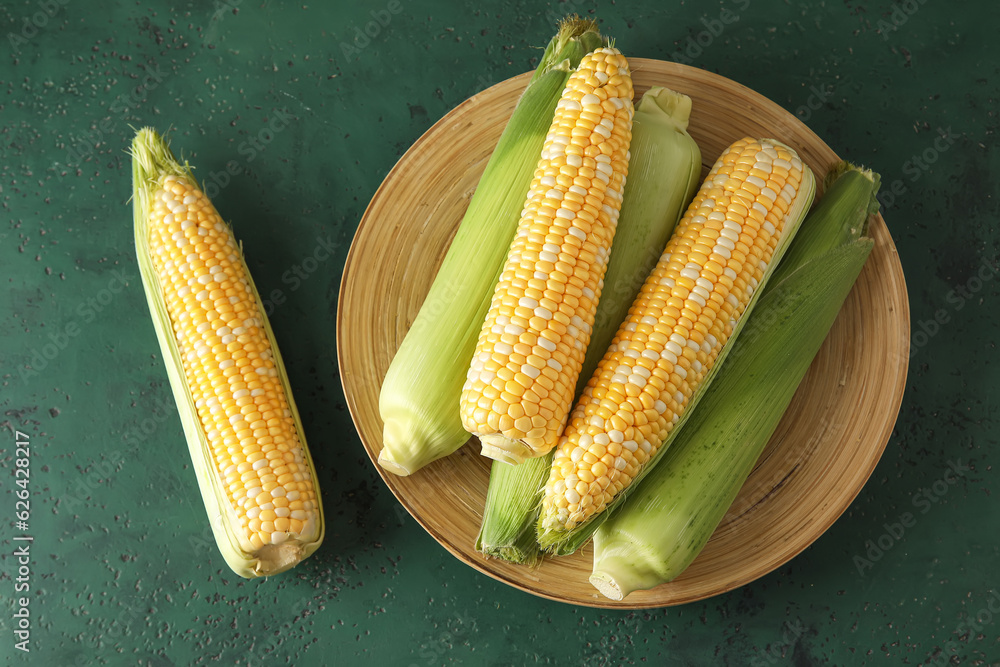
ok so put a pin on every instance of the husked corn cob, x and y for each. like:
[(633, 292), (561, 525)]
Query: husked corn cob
[(664, 174), (531, 347), (680, 322), (420, 393), (243, 431), (666, 522)]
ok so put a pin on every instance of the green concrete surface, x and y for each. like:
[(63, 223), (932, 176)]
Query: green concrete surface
[(308, 106)]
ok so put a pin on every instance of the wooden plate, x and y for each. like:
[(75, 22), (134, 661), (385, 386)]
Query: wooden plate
[(823, 451)]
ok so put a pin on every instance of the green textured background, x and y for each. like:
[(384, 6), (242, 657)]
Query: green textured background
[(123, 570)]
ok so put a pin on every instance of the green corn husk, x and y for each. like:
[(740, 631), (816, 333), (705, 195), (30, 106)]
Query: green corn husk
[(565, 542), (666, 522), (664, 174), (513, 499), (151, 161), (419, 399)]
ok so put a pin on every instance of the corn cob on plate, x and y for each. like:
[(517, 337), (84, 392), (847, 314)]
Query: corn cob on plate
[(818, 459)]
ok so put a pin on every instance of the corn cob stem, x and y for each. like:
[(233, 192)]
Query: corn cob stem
[(243, 431), (419, 399), (664, 525)]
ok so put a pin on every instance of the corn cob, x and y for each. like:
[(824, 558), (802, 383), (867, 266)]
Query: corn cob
[(243, 432), (523, 373), (664, 173), (693, 302), (665, 523), (420, 393)]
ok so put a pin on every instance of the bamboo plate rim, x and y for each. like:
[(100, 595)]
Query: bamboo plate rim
[(816, 463)]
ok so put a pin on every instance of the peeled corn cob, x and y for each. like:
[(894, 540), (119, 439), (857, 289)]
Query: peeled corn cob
[(664, 173), (523, 374), (665, 523), (419, 398), (690, 306), (244, 434)]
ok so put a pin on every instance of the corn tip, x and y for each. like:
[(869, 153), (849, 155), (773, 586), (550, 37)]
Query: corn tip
[(669, 104)]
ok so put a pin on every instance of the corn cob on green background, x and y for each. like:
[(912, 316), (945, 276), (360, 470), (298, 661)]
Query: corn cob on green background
[(293, 115)]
